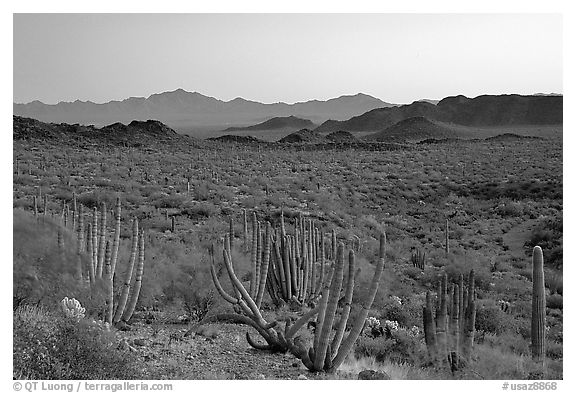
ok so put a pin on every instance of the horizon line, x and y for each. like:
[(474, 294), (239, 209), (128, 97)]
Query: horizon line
[(278, 102)]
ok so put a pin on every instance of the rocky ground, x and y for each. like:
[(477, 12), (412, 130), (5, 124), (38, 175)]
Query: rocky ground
[(216, 351)]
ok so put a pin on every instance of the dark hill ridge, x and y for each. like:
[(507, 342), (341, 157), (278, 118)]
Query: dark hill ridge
[(341, 136), (486, 110), (379, 119), (142, 132), (413, 129), (511, 137), (303, 136), (276, 123), (237, 139)]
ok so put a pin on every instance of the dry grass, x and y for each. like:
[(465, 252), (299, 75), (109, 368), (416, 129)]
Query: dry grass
[(354, 365)]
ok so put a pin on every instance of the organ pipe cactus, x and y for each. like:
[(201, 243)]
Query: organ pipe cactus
[(89, 245), (538, 306), (442, 321), (418, 259), (334, 356), (449, 336), (116, 243), (109, 284), (430, 328), (469, 319), (101, 241), (127, 280), (327, 352), (138, 281)]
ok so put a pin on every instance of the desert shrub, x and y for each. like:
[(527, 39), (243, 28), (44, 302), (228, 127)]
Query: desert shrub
[(554, 301), (412, 272), (133, 198), (548, 235), (491, 319), (95, 198), (554, 350), (400, 348), (168, 201), (42, 273), (511, 341), (23, 203), (48, 345), (510, 209), (200, 210), (160, 224), (25, 180), (407, 312)]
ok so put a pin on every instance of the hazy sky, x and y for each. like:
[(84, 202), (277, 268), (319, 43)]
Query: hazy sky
[(398, 58)]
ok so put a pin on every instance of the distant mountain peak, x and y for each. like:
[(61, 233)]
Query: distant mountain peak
[(183, 110)]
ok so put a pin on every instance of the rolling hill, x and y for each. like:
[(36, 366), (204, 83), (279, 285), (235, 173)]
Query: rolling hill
[(276, 123), (142, 132), (303, 136), (413, 129)]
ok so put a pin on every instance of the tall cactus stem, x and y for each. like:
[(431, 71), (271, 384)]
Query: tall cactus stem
[(135, 293), (116, 242), (347, 303), (331, 306), (127, 280), (265, 264), (430, 329), (102, 240), (358, 324), (538, 336), (109, 284)]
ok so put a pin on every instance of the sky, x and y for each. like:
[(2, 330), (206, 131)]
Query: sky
[(398, 58)]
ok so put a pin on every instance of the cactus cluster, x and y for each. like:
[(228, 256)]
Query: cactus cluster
[(418, 259), (92, 240), (291, 267), (449, 332), (328, 350)]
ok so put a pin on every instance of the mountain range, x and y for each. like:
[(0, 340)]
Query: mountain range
[(485, 110), (184, 110)]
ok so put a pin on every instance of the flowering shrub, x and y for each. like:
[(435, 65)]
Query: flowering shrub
[(372, 322), (414, 331), (51, 346), (402, 347), (72, 308), (391, 325)]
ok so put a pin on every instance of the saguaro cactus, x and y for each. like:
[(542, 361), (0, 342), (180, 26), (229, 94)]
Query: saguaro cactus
[(538, 306)]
